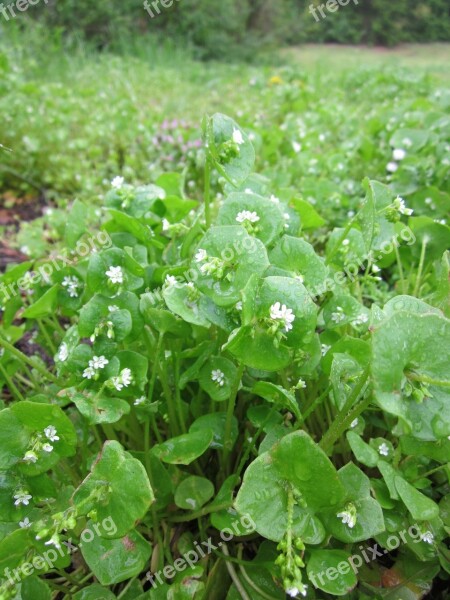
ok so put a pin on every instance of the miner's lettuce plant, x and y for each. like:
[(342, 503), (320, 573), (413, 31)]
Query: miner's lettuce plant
[(225, 359)]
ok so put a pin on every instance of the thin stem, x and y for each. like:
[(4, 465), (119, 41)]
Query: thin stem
[(421, 263), (227, 443), (47, 337), (343, 417), (207, 510), (234, 576), (400, 268), (426, 379), (340, 240), (207, 193), (9, 382), (28, 361)]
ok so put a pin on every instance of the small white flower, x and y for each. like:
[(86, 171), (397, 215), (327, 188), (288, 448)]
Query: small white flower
[(280, 312), (218, 376), (30, 457), (117, 182), (115, 274), (347, 517), (391, 167), (345, 242), (398, 154), (360, 319), (375, 269), (246, 215), (427, 537), (89, 373), (113, 308), (338, 315), (201, 255), (140, 401), (72, 284), (400, 205), (301, 385), (98, 362), (47, 447), (293, 592), (238, 305), (354, 423), (274, 199), (50, 433), (126, 377), (170, 280), (165, 225), (383, 449), (63, 352), (22, 497), (237, 137), (25, 523), (324, 349), (296, 147)]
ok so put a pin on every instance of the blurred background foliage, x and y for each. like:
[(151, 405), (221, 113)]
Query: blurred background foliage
[(228, 29)]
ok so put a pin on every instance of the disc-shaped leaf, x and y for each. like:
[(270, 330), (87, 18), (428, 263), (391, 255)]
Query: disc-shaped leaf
[(193, 492)]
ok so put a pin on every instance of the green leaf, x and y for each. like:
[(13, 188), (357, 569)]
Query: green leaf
[(278, 395), (256, 349), (115, 560), (362, 451), (44, 306), (99, 409), (420, 507), (218, 391), (122, 483), (215, 422), (331, 571), (35, 588), (310, 218), (94, 592), (300, 259), (193, 493), (184, 449)]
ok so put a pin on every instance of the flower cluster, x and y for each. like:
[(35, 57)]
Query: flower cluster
[(41, 443), (124, 379), (95, 365), (348, 516), (115, 275), (218, 377), (281, 314), (72, 284)]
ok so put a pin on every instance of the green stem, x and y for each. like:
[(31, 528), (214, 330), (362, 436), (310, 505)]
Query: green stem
[(201, 513), (420, 270), (400, 269), (342, 420), (9, 382), (207, 193), (426, 379), (227, 443), (28, 361), (234, 576), (340, 240), (48, 339)]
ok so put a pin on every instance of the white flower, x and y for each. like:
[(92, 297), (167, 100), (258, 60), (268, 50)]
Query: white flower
[(280, 312), (25, 523), (140, 401), (400, 205), (165, 225), (347, 517), (246, 215), (427, 537), (50, 433), (72, 284), (30, 457), (293, 592), (338, 315), (407, 142), (47, 447), (398, 154), (360, 319), (98, 362), (375, 269), (115, 274), (113, 308), (123, 380), (296, 147), (201, 255), (274, 199), (391, 167), (324, 349), (218, 376), (383, 449), (53, 541), (238, 305), (22, 497), (237, 137), (63, 352), (354, 423), (345, 242), (117, 182), (89, 373), (301, 384)]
